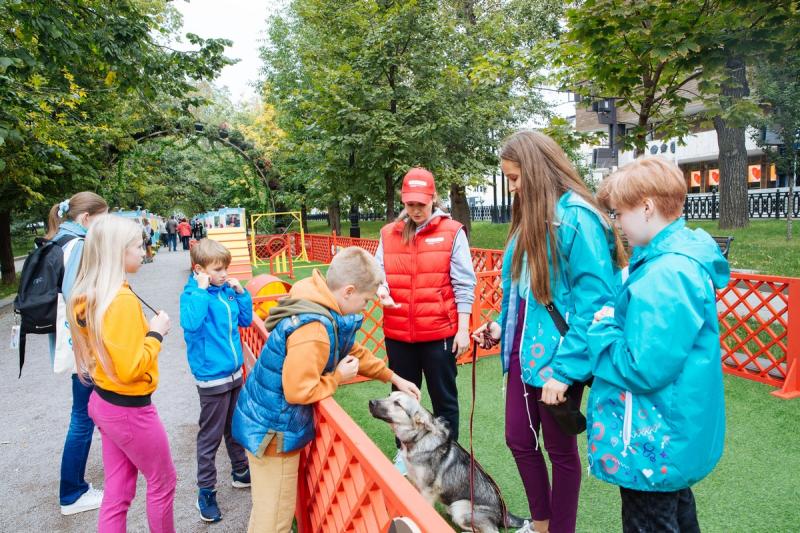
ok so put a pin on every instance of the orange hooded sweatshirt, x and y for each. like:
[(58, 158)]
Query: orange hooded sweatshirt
[(308, 348), (132, 350)]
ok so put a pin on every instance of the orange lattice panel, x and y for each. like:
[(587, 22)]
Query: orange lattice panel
[(485, 260), (760, 330), (253, 338), (348, 485)]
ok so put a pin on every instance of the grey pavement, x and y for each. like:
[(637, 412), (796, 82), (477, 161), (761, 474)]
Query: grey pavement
[(36, 415)]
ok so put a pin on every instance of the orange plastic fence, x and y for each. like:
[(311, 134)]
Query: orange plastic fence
[(348, 485), (253, 339), (760, 330), (759, 316)]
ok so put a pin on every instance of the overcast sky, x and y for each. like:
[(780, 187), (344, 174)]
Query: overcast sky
[(241, 21)]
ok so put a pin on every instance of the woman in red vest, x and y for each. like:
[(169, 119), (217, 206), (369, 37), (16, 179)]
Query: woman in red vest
[(427, 295)]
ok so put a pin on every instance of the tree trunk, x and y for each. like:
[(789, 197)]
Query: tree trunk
[(334, 217), (388, 181), (304, 216), (733, 210), (6, 252), (459, 207)]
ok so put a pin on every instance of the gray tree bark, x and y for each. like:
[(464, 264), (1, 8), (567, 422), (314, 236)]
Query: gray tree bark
[(733, 211)]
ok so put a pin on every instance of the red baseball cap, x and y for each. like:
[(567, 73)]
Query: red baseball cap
[(418, 186)]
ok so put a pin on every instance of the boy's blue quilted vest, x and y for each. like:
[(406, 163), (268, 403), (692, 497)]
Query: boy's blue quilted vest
[(262, 412)]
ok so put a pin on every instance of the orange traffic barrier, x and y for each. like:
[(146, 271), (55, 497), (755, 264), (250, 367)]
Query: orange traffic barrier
[(348, 485)]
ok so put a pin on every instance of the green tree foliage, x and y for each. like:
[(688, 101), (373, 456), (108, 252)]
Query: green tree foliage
[(78, 79), (778, 89), (644, 52), (365, 90)]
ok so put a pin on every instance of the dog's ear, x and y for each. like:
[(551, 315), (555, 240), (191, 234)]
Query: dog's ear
[(422, 419)]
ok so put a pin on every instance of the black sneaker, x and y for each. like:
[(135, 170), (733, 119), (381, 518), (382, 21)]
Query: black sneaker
[(241, 480), (207, 505)]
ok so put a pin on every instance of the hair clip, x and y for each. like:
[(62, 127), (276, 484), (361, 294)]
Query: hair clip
[(63, 208)]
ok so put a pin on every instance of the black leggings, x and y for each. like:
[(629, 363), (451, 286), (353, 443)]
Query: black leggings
[(658, 512), (437, 362)]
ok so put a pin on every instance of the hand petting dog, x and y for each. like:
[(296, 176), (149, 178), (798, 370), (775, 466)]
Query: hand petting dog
[(403, 385)]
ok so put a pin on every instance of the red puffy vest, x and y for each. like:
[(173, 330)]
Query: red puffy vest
[(419, 280)]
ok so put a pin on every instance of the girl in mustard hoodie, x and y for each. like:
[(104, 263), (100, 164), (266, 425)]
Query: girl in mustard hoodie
[(115, 345)]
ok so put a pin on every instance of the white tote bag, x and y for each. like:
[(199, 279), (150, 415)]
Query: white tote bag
[(64, 358)]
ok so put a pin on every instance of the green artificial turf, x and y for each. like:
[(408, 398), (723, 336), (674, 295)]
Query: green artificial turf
[(754, 488)]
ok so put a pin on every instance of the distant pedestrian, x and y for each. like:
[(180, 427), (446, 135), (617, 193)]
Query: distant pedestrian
[(116, 345), (162, 231), (147, 240), (172, 233), (197, 229), (185, 231)]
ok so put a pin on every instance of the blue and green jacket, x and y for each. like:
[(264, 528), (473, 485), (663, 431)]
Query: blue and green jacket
[(585, 281), (656, 412), (262, 412), (210, 319)]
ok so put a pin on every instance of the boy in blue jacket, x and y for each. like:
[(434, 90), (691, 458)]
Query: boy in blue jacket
[(213, 307), (656, 410)]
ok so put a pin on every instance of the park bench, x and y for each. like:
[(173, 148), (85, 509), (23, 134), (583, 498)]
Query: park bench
[(723, 241)]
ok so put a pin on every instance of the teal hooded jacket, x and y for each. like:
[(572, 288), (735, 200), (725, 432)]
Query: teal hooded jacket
[(583, 283), (656, 410)]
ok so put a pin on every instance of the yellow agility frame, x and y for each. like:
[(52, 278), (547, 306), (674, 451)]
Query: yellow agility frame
[(255, 217)]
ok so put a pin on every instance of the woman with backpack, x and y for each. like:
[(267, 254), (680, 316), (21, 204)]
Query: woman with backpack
[(557, 265), (68, 223)]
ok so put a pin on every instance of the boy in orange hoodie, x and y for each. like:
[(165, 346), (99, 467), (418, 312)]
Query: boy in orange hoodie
[(311, 349)]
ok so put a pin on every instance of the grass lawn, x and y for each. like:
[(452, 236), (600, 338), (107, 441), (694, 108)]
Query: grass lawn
[(761, 247), (21, 244), (754, 488)]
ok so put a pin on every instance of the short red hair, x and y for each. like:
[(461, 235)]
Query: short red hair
[(647, 177)]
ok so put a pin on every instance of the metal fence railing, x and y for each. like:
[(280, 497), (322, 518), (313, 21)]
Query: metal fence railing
[(773, 204)]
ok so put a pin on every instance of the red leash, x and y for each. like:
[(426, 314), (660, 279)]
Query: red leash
[(503, 508)]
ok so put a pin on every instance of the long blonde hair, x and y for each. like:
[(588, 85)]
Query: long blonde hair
[(100, 276), (545, 175)]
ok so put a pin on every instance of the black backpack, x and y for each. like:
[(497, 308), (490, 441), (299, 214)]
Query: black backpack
[(39, 286)]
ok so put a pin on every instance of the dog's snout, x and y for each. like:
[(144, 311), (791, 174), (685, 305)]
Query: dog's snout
[(372, 403)]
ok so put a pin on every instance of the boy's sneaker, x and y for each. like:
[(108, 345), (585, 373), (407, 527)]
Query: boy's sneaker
[(207, 505), (89, 500), (241, 480), (400, 464)]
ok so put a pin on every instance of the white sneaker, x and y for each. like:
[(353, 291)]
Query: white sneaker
[(400, 464), (88, 501), (526, 528)]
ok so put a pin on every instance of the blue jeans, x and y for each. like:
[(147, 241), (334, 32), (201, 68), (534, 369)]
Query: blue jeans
[(76, 445), (172, 240)]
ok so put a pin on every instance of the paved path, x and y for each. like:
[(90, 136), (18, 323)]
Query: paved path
[(36, 414)]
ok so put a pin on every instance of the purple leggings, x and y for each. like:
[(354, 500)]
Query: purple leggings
[(559, 505)]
